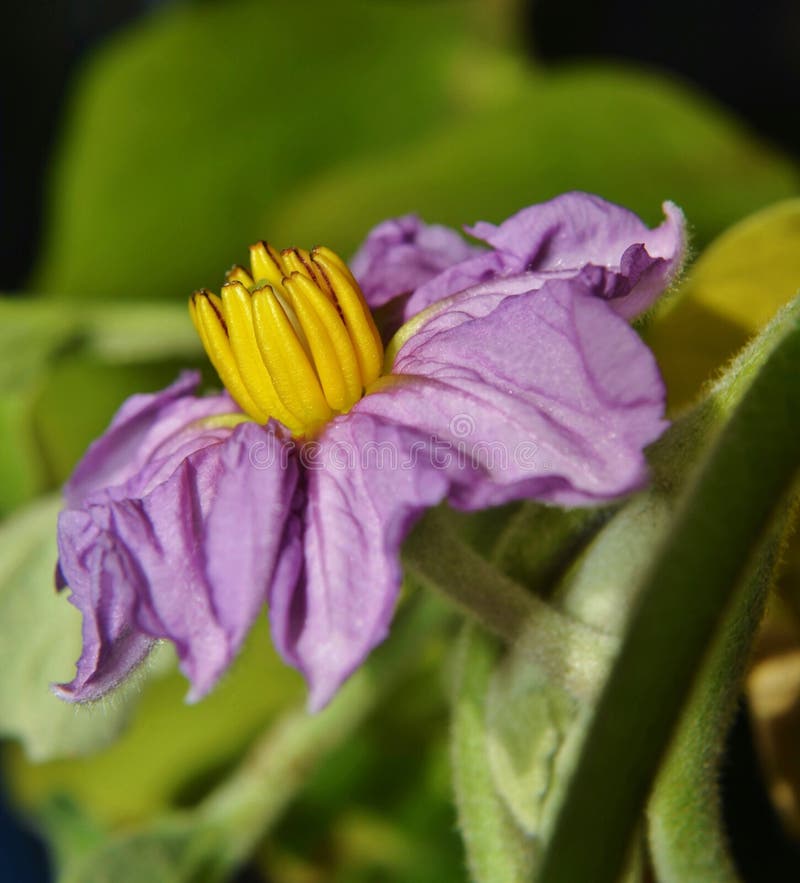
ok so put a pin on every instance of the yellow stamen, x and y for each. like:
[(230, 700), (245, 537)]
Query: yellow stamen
[(238, 313), (331, 347), (289, 366), (293, 339), (298, 260), (206, 312), (266, 265), (238, 273), (357, 317)]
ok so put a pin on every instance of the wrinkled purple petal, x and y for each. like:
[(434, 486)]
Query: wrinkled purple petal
[(192, 560), (104, 576), (551, 393), (142, 425), (400, 255), (247, 542), (367, 483), (574, 235)]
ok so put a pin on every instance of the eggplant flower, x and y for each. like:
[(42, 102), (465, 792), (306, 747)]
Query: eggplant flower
[(516, 375)]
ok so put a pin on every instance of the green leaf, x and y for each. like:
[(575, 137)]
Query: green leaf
[(66, 420), (380, 806), (41, 641), (34, 335), (529, 722), (498, 851), (46, 417), (682, 603), (22, 472), (249, 125), (37, 330), (236, 104), (630, 136), (735, 287), (535, 725), (33, 339)]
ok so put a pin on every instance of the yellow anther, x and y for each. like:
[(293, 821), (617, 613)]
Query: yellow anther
[(298, 260), (289, 366), (238, 273), (293, 339), (237, 311), (330, 345), (322, 252), (206, 312), (266, 265), (356, 314)]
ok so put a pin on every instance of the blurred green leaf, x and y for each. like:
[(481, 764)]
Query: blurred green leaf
[(171, 750), (29, 339), (71, 829), (30, 335), (41, 641), (37, 330), (67, 418), (255, 119), (22, 472), (190, 128), (630, 136), (71, 368), (737, 284), (682, 604), (173, 851)]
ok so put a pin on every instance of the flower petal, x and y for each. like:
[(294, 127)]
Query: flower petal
[(248, 542), (400, 255), (576, 234), (143, 424), (367, 483), (104, 577), (551, 393), (191, 560)]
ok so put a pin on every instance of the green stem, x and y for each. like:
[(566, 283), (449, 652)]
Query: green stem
[(570, 653)]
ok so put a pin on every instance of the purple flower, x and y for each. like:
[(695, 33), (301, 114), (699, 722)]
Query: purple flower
[(296, 487)]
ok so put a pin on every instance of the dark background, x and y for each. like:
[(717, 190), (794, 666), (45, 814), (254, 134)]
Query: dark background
[(745, 55)]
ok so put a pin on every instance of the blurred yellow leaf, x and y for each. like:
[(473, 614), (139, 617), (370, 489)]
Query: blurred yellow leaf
[(753, 268), (735, 287)]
